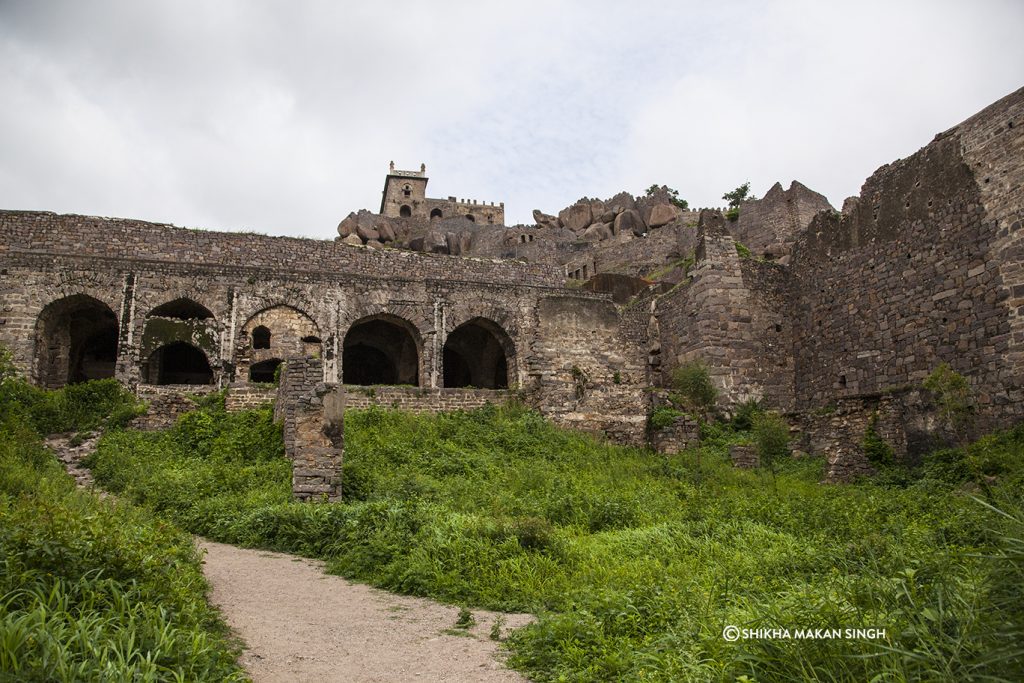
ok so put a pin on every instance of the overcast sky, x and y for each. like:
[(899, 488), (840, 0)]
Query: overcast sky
[(281, 117)]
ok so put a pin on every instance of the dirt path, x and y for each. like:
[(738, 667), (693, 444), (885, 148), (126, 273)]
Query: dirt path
[(303, 625), (300, 624)]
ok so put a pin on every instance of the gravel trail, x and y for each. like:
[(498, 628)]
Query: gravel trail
[(300, 624)]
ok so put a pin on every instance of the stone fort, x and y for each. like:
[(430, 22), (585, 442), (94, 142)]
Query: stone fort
[(833, 317)]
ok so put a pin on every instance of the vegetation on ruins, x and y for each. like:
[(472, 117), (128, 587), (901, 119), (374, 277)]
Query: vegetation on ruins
[(739, 195), (693, 390), (672, 193), (771, 436), (91, 589), (634, 562)]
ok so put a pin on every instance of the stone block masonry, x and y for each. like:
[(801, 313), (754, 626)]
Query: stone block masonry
[(312, 414), (417, 400)]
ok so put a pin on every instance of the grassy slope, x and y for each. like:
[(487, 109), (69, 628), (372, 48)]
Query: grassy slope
[(634, 561), (90, 589)]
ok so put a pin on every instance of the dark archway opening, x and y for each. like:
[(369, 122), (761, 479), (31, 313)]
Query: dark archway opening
[(179, 363), (405, 211), (435, 213), (182, 309), (265, 371), (471, 218), (76, 341), (476, 355), (261, 338), (381, 350)]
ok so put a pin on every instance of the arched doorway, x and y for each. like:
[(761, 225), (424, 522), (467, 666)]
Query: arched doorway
[(476, 354), (265, 371), (405, 211), (178, 363), (381, 350), (181, 309), (76, 340)]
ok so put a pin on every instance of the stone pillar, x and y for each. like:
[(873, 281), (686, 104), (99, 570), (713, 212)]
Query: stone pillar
[(313, 416)]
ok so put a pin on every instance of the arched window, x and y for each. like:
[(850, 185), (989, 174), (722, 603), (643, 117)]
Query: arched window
[(265, 371), (261, 338), (476, 354), (76, 340), (435, 213), (381, 350), (405, 211), (407, 191), (178, 363), (181, 309)]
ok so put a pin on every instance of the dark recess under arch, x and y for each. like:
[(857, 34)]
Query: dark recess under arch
[(381, 350)]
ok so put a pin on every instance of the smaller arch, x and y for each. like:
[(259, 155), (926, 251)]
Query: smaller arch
[(381, 349), (181, 308), (178, 363), (471, 218), (436, 213), (405, 211), (264, 371), (261, 337), (477, 353)]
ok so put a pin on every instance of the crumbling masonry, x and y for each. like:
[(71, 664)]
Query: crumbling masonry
[(833, 317)]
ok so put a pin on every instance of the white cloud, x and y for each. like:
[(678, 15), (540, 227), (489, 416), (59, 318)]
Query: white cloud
[(283, 118)]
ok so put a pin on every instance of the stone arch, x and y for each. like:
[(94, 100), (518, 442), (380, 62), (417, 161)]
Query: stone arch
[(477, 353), (180, 320), (76, 340), (436, 213), (276, 332), (264, 371), (182, 308), (178, 363), (260, 337), (382, 349), (471, 218), (405, 211)]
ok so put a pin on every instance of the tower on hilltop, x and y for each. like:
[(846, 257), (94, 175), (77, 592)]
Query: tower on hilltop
[(405, 196)]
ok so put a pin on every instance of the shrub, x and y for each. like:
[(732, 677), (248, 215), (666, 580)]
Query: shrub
[(743, 415), (878, 452), (692, 385), (953, 396), (771, 435), (662, 417), (741, 249)]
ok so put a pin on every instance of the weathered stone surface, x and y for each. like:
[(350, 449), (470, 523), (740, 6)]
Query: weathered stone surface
[(354, 240), (546, 221), (367, 233), (662, 214), (629, 221), (385, 232), (744, 457), (597, 232), (348, 225), (577, 217)]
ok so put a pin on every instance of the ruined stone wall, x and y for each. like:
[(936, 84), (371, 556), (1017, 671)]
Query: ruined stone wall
[(923, 268), (424, 400), (838, 430), (588, 371), (309, 311), (130, 240), (732, 316), (241, 397), (769, 226), (312, 415)]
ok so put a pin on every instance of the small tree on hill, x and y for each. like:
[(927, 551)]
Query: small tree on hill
[(673, 195), (771, 435), (953, 396), (739, 195), (693, 389)]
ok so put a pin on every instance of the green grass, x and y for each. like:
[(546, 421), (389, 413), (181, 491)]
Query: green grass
[(634, 562), (92, 590)]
